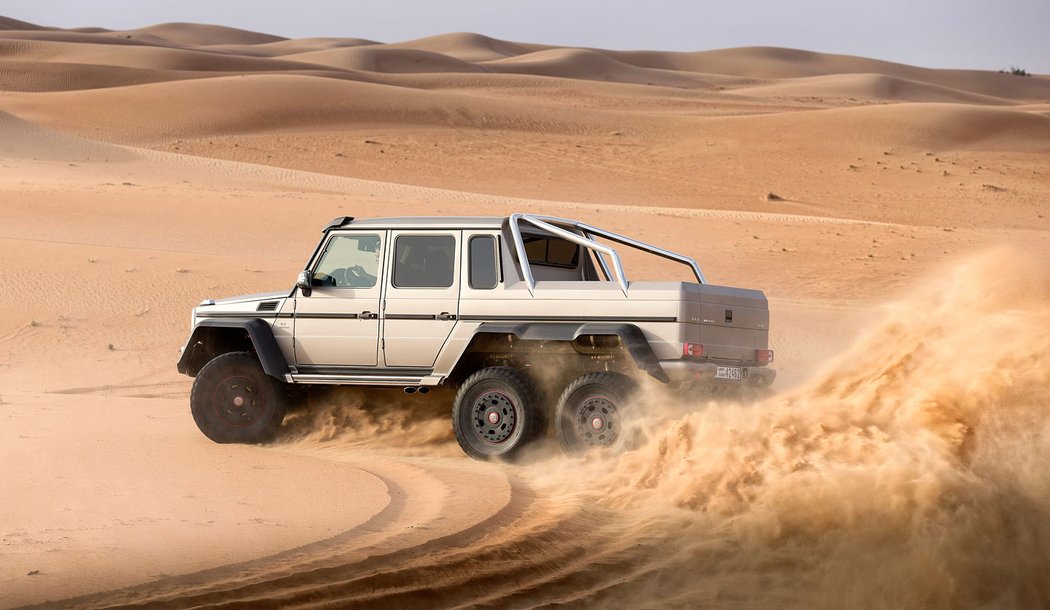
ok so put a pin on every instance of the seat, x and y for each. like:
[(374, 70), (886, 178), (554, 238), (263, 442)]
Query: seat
[(438, 269)]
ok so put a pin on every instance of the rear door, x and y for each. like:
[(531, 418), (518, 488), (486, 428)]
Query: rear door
[(338, 324), (422, 296)]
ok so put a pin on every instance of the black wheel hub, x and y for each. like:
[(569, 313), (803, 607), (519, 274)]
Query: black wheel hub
[(494, 417), (238, 401), (597, 421)]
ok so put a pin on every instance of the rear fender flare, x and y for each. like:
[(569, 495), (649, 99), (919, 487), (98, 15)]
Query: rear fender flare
[(632, 337)]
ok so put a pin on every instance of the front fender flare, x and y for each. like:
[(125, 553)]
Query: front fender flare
[(259, 332)]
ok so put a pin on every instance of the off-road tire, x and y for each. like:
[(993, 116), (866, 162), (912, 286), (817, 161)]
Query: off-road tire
[(496, 412), (234, 401), (592, 413)]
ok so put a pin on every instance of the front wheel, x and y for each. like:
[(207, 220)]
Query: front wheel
[(496, 413), (234, 401), (592, 412)]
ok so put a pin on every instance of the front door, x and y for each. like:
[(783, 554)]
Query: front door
[(422, 299), (338, 324)]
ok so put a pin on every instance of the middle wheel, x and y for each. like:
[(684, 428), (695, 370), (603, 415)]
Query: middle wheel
[(592, 411), (496, 412)]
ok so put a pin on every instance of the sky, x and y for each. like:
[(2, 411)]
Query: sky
[(932, 33)]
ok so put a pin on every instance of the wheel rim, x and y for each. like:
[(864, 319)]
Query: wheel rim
[(494, 417), (238, 401), (596, 421)]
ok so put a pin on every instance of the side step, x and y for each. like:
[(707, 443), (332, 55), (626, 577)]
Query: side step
[(380, 380)]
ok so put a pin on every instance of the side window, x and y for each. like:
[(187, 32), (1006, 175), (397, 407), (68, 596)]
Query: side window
[(483, 273), (424, 261), (349, 261)]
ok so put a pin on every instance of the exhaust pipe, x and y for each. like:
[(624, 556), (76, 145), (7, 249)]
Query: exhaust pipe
[(424, 389), (410, 390), (413, 389)]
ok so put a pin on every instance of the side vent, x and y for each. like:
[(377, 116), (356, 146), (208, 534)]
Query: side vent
[(267, 306)]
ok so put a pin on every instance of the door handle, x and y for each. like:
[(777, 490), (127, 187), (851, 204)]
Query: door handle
[(445, 316), (367, 315)]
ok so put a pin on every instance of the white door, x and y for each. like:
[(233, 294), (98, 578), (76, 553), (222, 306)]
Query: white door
[(422, 296), (338, 324)]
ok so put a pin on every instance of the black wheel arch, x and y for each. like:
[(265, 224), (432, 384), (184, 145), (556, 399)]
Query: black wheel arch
[(629, 335), (211, 338)]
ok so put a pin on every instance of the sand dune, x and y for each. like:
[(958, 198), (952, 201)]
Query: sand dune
[(290, 47), (140, 56), (144, 170), (246, 104), (907, 126), (29, 76), (385, 59), (779, 63), (870, 87), (468, 47), (198, 34), (591, 65), (20, 140), (6, 23)]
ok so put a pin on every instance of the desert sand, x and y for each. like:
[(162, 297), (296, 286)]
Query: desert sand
[(898, 218)]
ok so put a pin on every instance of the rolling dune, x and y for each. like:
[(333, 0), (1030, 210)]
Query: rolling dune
[(387, 60), (200, 34), (585, 64), (896, 463), (469, 47), (872, 87)]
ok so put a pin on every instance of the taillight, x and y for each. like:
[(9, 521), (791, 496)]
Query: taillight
[(765, 356), (694, 350)]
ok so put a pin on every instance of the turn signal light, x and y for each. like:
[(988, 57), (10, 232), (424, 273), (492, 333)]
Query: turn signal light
[(694, 350), (765, 356)]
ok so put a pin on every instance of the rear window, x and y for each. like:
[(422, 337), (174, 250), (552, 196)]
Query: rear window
[(551, 251), (483, 272)]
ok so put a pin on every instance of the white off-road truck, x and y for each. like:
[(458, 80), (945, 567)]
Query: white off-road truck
[(531, 317)]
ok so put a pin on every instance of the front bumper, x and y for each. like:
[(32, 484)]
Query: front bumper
[(691, 371)]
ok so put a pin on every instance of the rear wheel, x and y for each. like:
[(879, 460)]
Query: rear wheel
[(592, 412), (496, 413), (234, 401)]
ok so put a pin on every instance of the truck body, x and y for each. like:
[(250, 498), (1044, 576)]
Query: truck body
[(533, 302)]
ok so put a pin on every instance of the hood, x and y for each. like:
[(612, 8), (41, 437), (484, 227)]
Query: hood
[(247, 298)]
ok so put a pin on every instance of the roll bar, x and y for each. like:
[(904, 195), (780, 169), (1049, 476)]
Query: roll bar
[(585, 237)]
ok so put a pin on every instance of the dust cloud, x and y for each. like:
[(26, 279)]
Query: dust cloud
[(374, 420), (912, 472)]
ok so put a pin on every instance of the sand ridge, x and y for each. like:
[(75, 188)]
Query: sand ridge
[(144, 170)]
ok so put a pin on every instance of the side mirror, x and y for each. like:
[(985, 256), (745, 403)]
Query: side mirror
[(305, 282)]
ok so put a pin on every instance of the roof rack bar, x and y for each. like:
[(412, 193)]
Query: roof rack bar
[(601, 262), (519, 250), (551, 224), (633, 243), (618, 274)]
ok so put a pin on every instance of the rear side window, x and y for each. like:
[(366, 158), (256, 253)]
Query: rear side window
[(424, 261), (551, 251), (483, 272)]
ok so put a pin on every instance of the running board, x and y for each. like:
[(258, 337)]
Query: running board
[(377, 380)]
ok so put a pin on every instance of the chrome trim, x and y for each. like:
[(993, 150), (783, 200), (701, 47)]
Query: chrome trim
[(356, 379), (581, 319)]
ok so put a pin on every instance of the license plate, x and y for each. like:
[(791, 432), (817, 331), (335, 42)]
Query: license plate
[(729, 372)]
